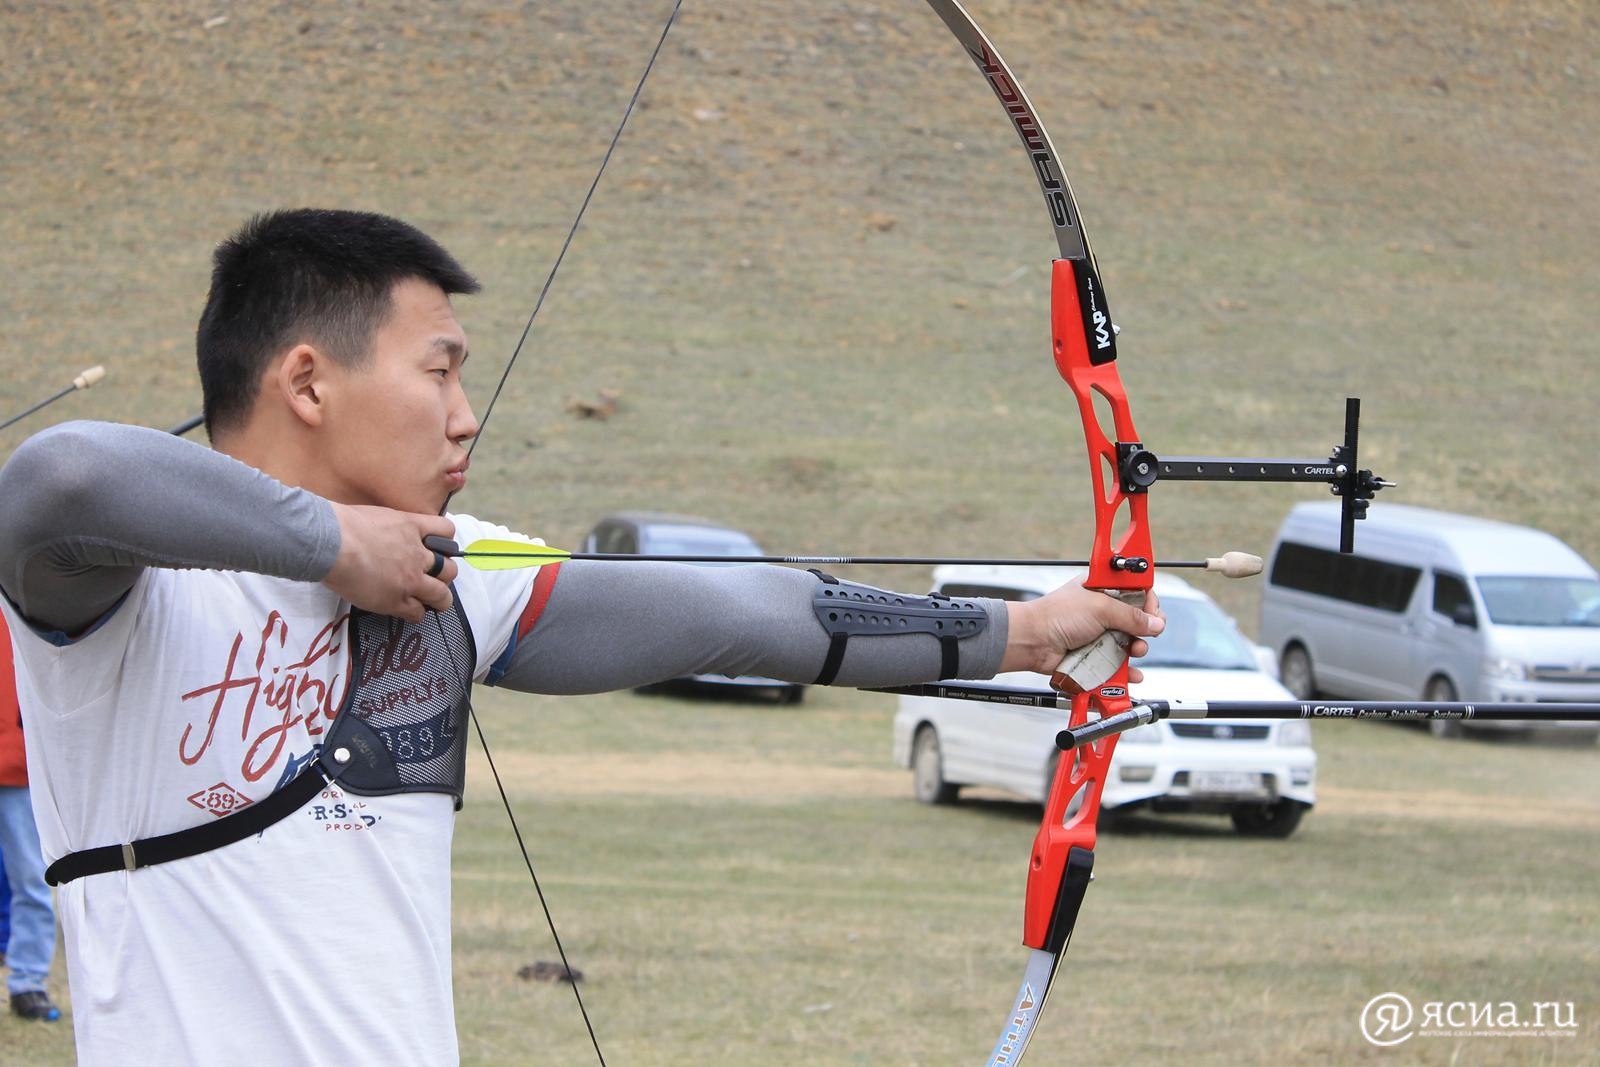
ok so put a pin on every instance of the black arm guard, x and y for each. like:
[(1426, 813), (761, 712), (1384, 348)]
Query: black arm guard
[(846, 609)]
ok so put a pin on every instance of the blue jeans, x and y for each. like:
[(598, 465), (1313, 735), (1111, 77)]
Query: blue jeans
[(5, 907), (33, 922)]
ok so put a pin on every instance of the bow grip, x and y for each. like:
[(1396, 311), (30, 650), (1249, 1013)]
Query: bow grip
[(1086, 669)]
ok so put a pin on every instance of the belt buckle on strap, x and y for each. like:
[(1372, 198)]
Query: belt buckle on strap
[(130, 862)]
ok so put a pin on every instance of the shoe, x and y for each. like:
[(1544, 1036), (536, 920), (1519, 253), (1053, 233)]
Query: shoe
[(34, 1006)]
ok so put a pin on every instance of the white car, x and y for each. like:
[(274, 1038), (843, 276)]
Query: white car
[(1262, 773)]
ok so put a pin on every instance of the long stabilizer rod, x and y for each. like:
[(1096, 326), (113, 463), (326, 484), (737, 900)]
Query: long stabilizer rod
[(1148, 711), (1381, 710)]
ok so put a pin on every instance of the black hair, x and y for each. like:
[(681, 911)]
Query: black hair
[(305, 275)]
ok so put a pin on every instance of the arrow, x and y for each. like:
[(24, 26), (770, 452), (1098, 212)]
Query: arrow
[(186, 425), (490, 554), (82, 381)]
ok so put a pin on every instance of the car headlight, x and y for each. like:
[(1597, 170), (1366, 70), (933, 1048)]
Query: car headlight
[(1143, 735), (1295, 733), (1512, 669)]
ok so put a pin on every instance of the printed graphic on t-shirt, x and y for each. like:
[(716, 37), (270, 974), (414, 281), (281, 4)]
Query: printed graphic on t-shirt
[(270, 683), (220, 799), (204, 693)]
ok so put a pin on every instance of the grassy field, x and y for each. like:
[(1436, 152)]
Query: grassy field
[(750, 883), (817, 274)]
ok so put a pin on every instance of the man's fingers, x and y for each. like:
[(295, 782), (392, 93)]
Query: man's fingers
[(432, 589), (384, 567), (434, 526), (1131, 620), (435, 593)]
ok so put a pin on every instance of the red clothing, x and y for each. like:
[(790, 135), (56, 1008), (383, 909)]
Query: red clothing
[(13, 765)]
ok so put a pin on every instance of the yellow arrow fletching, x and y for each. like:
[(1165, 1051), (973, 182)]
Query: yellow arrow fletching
[(489, 554)]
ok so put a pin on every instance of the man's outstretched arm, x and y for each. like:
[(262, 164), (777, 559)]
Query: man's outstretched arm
[(596, 632)]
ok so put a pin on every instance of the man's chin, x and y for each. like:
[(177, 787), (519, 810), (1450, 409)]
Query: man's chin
[(430, 502)]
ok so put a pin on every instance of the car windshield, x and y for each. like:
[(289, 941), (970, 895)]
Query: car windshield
[(697, 541), (1199, 635), (1523, 601)]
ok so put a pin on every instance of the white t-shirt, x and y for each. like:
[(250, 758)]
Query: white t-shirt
[(324, 940)]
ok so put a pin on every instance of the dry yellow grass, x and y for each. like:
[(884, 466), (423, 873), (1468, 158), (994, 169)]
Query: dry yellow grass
[(816, 273)]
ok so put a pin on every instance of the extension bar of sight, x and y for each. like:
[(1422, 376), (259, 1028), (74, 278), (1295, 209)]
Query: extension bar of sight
[(1141, 468)]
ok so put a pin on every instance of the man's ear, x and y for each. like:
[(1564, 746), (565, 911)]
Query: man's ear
[(301, 379)]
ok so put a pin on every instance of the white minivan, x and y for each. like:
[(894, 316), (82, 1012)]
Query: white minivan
[(1435, 606)]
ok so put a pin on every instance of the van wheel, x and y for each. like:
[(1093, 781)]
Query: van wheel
[(927, 769), (1440, 691), (1277, 819), (1294, 670)]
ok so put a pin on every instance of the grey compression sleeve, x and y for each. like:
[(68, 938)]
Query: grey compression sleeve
[(615, 625), (88, 505)]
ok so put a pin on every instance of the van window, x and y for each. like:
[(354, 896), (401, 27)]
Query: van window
[(993, 592), (1453, 600), (1523, 601), (1372, 583)]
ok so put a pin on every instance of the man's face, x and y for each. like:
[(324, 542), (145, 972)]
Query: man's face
[(397, 427)]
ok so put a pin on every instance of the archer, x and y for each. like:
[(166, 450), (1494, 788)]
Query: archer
[(245, 679)]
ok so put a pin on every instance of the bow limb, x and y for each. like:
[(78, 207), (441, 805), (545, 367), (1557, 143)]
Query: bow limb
[(1084, 343), (1062, 861)]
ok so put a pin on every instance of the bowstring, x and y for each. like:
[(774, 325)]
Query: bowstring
[(483, 424), (572, 232)]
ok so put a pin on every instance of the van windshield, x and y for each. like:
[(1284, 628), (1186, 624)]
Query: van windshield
[(1199, 635), (1522, 601)]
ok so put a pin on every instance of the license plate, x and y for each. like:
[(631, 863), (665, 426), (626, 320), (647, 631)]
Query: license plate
[(1224, 782)]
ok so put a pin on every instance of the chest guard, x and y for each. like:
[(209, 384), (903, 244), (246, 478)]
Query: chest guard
[(403, 725), (401, 729)]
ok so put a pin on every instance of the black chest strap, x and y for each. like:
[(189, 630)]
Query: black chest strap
[(194, 840), (407, 736)]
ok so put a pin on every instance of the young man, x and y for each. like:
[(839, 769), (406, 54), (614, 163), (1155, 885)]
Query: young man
[(207, 638)]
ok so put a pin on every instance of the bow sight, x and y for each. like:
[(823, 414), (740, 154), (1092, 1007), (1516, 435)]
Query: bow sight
[(1138, 469)]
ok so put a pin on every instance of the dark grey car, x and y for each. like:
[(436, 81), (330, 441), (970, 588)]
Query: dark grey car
[(661, 533)]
